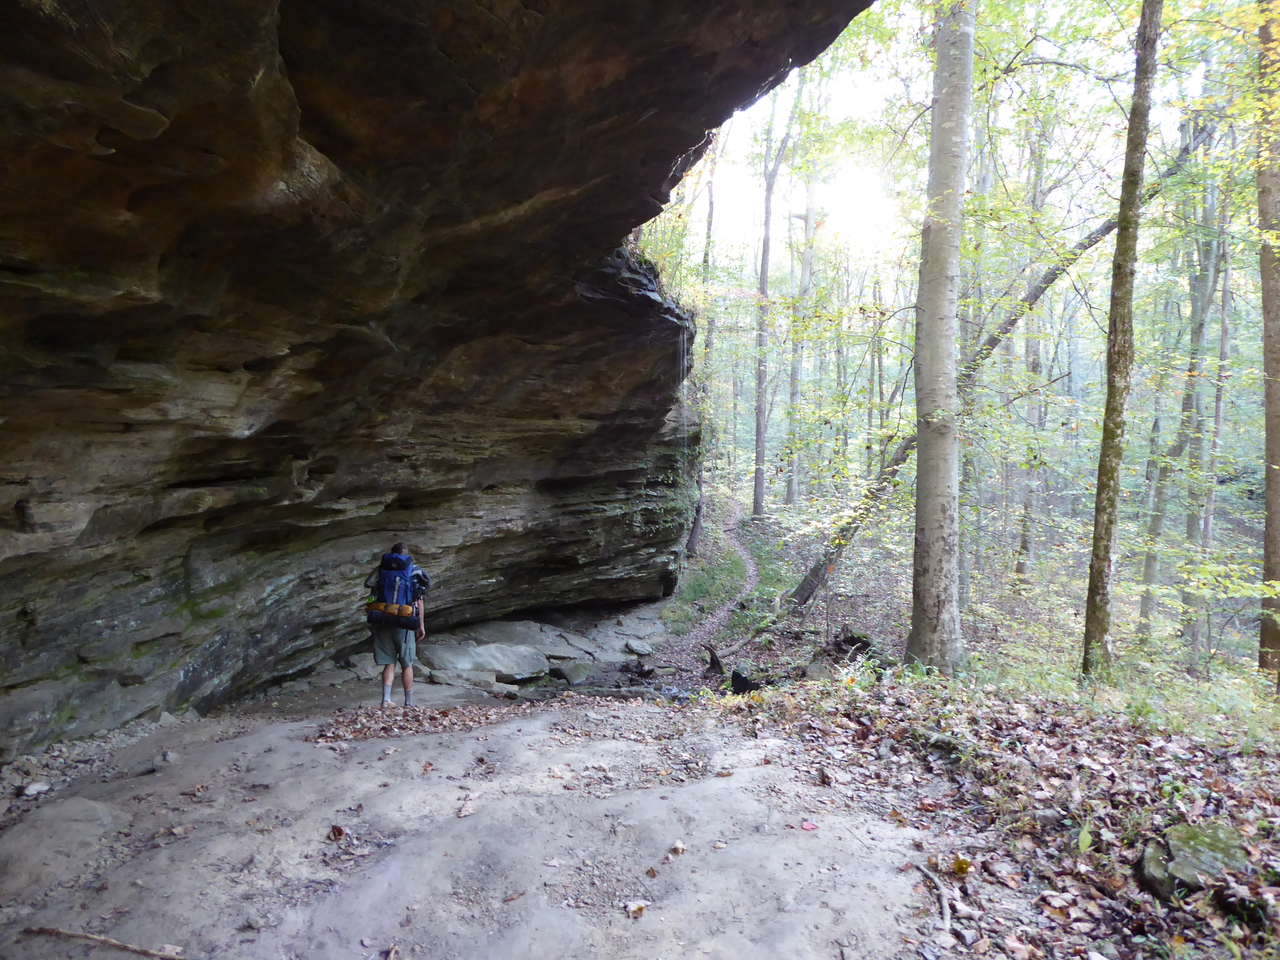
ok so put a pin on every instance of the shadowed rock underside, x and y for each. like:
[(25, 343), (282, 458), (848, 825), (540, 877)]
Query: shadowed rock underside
[(283, 281)]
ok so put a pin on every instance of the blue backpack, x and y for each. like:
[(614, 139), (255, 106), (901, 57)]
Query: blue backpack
[(395, 579), (394, 586)]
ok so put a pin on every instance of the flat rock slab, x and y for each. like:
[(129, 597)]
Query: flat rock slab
[(551, 641), (510, 663)]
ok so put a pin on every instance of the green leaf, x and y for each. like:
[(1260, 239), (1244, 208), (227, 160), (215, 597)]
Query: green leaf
[(1086, 837)]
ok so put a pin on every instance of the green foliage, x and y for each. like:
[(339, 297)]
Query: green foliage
[(706, 583), (1047, 134)]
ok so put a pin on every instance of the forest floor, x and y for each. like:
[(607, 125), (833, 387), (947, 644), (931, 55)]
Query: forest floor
[(876, 814)]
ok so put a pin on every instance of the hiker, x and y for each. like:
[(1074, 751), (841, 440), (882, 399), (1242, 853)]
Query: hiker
[(395, 580)]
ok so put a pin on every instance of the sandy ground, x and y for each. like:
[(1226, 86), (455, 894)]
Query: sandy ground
[(470, 827), (225, 851)]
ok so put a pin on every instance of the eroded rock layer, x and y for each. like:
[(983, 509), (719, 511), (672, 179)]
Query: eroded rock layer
[(282, 280)]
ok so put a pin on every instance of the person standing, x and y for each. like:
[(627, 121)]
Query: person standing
[(389, 581)]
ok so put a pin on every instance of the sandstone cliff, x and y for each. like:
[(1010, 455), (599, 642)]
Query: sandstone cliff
[(283, 280)]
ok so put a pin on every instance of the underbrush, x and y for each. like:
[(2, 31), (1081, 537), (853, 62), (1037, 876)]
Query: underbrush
[(708, 580), (1079, 775), (1077, 787)]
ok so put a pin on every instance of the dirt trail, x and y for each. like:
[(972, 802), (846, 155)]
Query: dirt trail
[(478, 829), (709, 627)]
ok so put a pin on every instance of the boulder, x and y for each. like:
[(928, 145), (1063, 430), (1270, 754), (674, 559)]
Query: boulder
[(511, 663), (575, 671), (1189, 853), (819, 670), (551, 641), (364, 668), (463, 678)]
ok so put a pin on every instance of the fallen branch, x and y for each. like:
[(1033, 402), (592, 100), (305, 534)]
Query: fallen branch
[(822, 568), (942, 898), (104, 941), (845, 533)]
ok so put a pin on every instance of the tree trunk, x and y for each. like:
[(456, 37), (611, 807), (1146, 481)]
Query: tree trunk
[(708, 337), (773, 157), (1035, 369), (935, 638), (1207, 261), (1097, 615), (797, 329), (762, 369), (1269, 262), (1164, 476), (1220, 385)]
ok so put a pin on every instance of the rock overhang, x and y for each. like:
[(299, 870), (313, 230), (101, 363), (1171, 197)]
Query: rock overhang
[(281, 282)]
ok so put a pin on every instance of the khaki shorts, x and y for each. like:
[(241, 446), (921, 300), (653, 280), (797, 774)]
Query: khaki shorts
[(392, 644)]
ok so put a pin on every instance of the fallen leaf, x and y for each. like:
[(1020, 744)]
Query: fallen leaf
[(466, 809), (981, 947), (678, 847), (513, 897), (336, 833), (724, 773), (651, 873), (428, 767), (635, 908), (1016, 948), (897, 818), (808, 825)]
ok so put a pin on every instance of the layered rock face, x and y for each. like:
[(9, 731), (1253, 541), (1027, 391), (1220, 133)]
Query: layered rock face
[(283, 281)]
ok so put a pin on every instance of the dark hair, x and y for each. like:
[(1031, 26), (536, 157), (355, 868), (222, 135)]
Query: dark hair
[(399, 547)]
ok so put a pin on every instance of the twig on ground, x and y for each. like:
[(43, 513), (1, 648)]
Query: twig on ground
[(105, 941), (942, 897)]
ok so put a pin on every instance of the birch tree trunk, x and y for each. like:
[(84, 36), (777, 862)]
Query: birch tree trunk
[(1269, 221), (935, 638), (1097, 613)]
